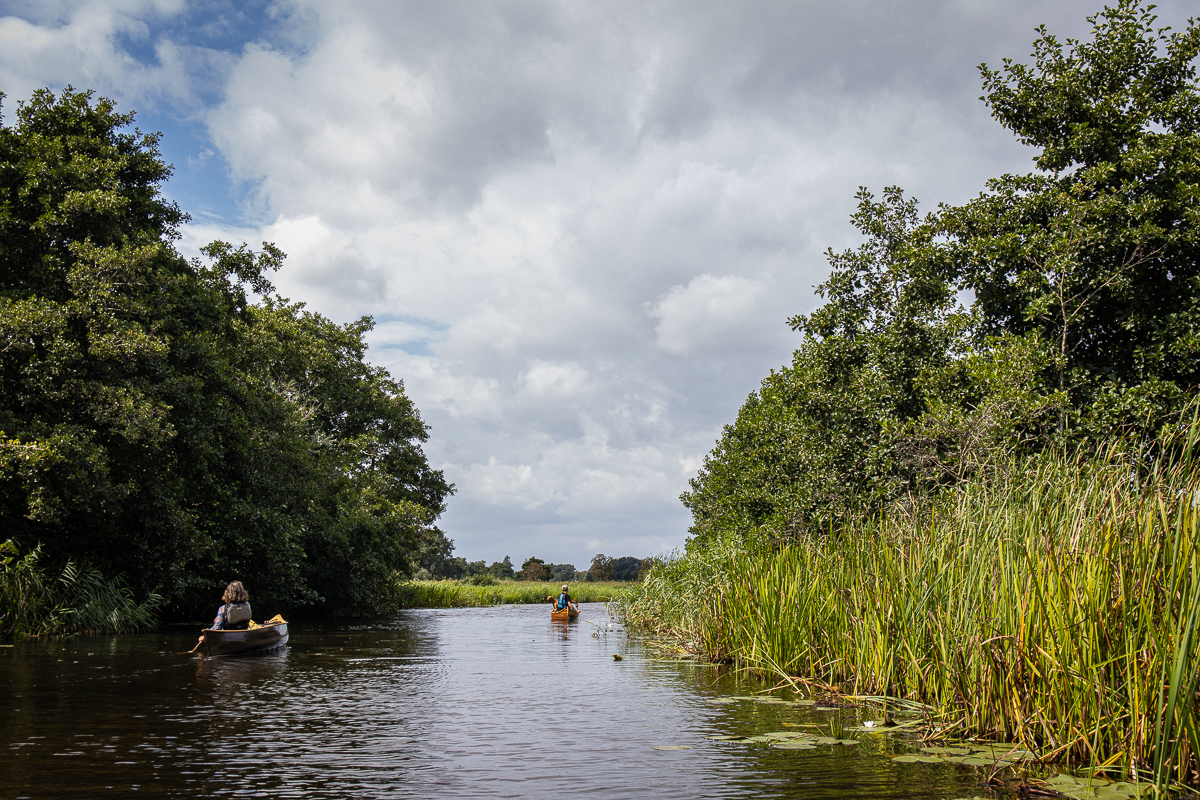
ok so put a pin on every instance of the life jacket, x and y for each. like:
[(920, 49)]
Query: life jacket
[(237, 616), (563, 600)]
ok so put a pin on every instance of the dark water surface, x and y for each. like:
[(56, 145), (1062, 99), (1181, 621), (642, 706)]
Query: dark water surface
[(496, 702)]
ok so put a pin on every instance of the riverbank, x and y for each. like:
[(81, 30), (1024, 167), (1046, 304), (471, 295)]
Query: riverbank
[(72, 599), (456, 594), (1057, 607)]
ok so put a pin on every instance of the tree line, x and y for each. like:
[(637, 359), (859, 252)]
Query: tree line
[(603, 568), (177, 421), (1061, 305)]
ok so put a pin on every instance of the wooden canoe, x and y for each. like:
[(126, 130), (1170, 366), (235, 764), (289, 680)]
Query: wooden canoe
[(227, 643), (567, 613)]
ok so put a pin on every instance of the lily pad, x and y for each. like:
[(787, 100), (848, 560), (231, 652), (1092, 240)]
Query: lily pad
[(979, 761), (910, 759), (826, 740), (758, 739), (795, 745), (847, 741), (1000, 750), (946, 751), (721, 700), (722, 737), (670, 747), (804, 702), (787, 735), (1094, 788)]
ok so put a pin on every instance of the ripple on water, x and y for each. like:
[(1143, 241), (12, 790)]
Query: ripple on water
[(496, 702)]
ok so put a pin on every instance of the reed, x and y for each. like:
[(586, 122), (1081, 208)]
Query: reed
[(455, 594), (1056, 607), (75, 600)]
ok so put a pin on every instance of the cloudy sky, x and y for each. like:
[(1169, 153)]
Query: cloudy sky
[(580, 226)]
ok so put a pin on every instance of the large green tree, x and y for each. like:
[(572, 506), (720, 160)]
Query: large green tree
[(1097, 251), (1085, 318), (177, 421)]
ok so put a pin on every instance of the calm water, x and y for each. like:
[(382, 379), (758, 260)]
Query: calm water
[(497, 702)]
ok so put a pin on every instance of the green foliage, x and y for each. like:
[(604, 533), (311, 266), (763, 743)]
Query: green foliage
[(158, 420), (454, 594), (601, 569), (78, 600), (820, 436), (1098, 251), (1056, 605), (501, 569), (626, 568), (533, 569), (1085, 313)]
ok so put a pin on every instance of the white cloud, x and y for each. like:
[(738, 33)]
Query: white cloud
[(56, 43), (707, 311), (581, 227), (544, 379)]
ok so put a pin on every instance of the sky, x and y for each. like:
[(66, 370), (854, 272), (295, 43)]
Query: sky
[(580, 227)]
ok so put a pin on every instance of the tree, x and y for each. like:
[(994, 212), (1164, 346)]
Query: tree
[(1086, 306), (626, 568), (501, 569), (819, 438), (533, 569), (561, 572), (1098, 251), (436, 555), (602, 568), (158, 420)]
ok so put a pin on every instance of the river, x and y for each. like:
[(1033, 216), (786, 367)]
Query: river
[(494, 702)]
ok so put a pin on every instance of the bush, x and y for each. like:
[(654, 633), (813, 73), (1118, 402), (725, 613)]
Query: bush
[(78, 600)]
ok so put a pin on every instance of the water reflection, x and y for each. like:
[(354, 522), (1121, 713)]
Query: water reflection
[(496, 702)]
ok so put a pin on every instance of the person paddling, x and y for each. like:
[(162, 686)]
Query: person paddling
[(235, 614), (564, 600)]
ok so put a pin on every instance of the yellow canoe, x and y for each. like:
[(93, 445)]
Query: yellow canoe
[(567, 613)]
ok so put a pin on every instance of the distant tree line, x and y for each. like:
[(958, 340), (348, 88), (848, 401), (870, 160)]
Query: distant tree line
[(176, 421), (603, 568)]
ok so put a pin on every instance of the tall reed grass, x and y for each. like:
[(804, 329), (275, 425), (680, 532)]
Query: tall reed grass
[(1057, 607), (75, 600), (453, 594)]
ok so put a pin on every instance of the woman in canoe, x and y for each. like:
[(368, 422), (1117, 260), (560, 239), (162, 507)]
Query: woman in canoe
[(564, 600), (235, 614)]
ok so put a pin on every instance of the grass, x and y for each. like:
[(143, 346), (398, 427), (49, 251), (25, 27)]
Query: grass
[(455, 594), (1057, 607), (76, 600)]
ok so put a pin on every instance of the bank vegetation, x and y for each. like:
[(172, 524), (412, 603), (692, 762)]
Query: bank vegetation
[(465, 593), (975, 484)]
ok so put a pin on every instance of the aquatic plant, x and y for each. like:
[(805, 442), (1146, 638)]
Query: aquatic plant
[(1056, 605), (453, 594), (77, 600)]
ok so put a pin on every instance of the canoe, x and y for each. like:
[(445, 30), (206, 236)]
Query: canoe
[(567, 613), (227, 643)]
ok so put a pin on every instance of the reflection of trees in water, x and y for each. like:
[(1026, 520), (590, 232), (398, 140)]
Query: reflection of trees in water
[(230, 677)]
